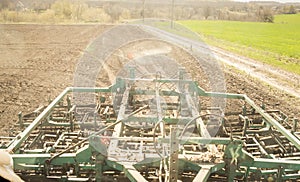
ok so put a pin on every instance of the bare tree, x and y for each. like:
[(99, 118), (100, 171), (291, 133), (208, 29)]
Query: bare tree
[(6, 4), (265, 14), (206, 12), (114, 11), (292, 10)]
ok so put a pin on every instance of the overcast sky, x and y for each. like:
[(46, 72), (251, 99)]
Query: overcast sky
[(282, 1)]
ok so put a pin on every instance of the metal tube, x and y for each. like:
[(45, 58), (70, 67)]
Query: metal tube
[(119, 127), (97, 133), (295, 123), (24, 135), (274, 123)]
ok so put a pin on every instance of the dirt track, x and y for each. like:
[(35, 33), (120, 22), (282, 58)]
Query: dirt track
[(38, 61)]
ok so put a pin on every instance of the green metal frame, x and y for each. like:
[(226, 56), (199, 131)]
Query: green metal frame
[(88, 159)]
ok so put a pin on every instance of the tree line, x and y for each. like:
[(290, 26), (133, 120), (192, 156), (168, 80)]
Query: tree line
[(112, 12)]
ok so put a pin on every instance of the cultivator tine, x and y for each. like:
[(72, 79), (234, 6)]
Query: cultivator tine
[(152, 134)]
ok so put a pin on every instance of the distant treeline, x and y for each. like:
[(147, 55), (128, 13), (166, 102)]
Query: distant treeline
[(114, 11)]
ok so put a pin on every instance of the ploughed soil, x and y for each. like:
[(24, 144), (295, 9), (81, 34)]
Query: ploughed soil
[(38, 61)]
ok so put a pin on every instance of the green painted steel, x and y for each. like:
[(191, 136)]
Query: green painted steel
[(274, 123), (121, 146), (14, 146)]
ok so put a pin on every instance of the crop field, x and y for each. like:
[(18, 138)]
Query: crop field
[(277, 43), (38, 61)]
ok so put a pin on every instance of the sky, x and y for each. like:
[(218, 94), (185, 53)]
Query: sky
[(281, 1)]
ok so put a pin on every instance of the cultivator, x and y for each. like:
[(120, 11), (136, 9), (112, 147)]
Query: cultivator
[(141, 130)]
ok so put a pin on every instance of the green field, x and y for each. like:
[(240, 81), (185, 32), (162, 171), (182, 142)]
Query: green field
[(277, 43)]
